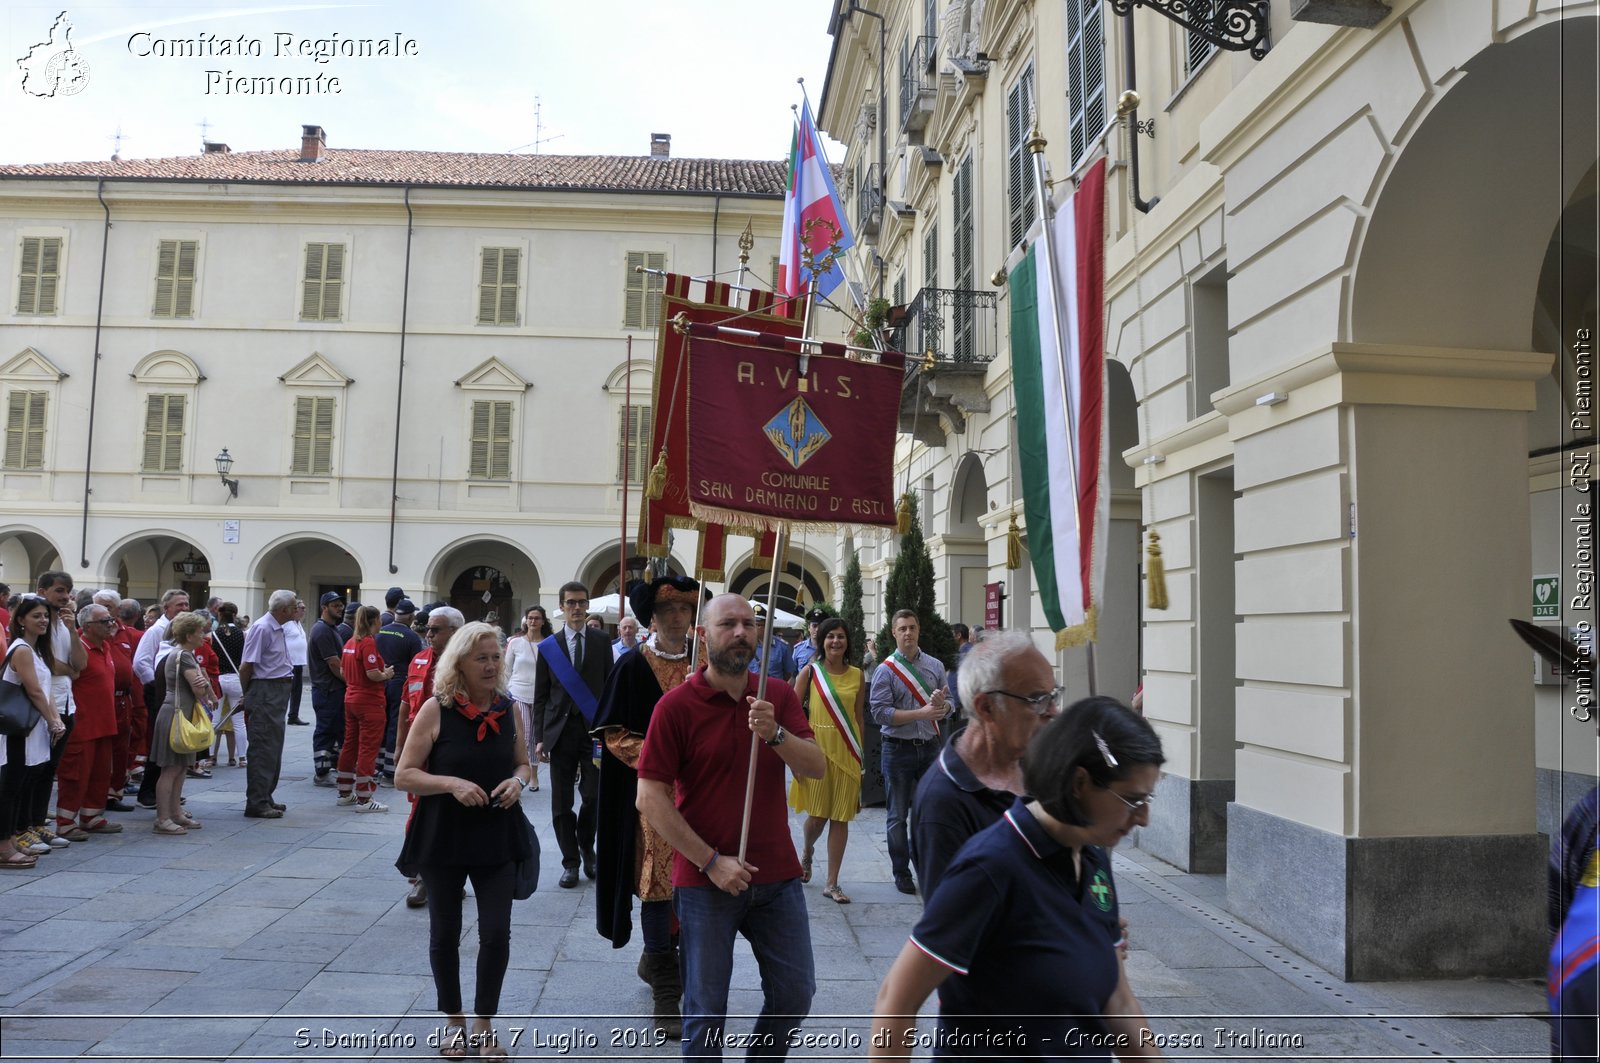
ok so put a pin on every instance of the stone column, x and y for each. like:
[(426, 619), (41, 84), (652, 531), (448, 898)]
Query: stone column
[(1383, 824)]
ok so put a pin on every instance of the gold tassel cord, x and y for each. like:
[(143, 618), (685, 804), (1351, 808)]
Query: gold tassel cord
[(1013, 545), (902, 515), (1080, 634), (655, 484), (1155, 571)]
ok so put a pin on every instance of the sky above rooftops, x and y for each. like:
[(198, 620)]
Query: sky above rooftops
[(717, 75)]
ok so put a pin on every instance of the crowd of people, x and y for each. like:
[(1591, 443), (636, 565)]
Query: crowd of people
[(1001, 821)]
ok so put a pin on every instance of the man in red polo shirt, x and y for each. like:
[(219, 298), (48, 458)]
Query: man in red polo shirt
[(85, 770), (692, 771), (127, 749)]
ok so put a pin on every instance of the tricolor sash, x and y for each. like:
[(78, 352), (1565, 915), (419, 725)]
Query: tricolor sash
[(902, 668), (561, 666), (842, 719)]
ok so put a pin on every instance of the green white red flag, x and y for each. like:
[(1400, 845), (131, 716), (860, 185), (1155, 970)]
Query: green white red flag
[(1061, 404)]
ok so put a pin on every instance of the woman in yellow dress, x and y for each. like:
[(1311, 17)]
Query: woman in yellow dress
[(835, 698)]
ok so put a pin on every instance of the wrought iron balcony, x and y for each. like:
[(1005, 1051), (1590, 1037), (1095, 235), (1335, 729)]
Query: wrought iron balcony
[(917, 88), (953, 327), (869, 203)]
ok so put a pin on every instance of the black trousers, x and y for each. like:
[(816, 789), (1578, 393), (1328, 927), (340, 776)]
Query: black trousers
[(493, 885), (14, 779), (42, 777), (155, 692), (572, 767), (295, 691)]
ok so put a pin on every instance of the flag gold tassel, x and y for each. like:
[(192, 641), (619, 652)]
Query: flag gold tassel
[(1013, 545), (655, 484), (1155, 574), (902, 514)]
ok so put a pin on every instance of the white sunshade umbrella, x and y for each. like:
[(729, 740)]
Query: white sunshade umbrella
[(782, 618), (607, 607)]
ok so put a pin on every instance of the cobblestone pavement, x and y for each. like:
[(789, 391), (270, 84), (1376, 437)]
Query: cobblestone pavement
[(268, 939)]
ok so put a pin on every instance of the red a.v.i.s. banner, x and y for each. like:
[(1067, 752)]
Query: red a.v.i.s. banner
[(771, 445)]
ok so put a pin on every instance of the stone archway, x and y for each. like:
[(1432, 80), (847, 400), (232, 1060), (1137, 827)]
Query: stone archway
[(25, 553), (803, 581), (487, 579), (147, 564), (309, 565)]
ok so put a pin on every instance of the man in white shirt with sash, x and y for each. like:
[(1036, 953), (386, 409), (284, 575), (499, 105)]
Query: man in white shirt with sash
[(908, 699)]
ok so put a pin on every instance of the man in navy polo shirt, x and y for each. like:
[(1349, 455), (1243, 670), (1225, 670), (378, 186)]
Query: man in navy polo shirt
[(1010, 692), (691, 790)]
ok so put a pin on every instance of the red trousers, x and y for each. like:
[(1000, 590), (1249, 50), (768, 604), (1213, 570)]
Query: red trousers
[(119, 746), (84, 775), (364, 723)]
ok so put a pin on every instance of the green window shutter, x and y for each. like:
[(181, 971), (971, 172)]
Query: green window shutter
[(17, 409), (322, 436), (175, 275), (311, 283), (632, 441), (39, 277), (1020, 206), (499, 279), (654, 285), (500, 441), (633, 291), (478, 461), (163, 433), (332, 282), (930, 257), (300, 463)]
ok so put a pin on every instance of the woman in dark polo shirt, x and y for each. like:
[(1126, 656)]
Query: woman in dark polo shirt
[(1021, 937)]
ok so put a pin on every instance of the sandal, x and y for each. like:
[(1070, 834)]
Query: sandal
[(189, 823), (453, 1042), (836, 895), (17, 860), (168, 826), (805, 866)]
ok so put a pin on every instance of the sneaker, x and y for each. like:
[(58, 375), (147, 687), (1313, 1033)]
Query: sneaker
[(48, 835), (371, 806), (346, 800), (325, 779), (131, 789), (30, 842), (75, 833), (99, 826)]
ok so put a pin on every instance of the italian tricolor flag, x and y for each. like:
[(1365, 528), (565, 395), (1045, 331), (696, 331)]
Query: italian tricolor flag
[(1061, 402)]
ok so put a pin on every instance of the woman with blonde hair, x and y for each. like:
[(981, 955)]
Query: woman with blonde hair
[(186, 685), (468, 766), (365, 713)]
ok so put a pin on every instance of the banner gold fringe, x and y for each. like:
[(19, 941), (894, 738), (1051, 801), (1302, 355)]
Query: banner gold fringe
[(1080, 634), (1013, 545), (1155, 574), (736, 519), (902, 514), (655, 484)]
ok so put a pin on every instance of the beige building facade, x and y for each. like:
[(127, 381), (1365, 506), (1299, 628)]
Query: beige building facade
[(1351, 365), (417, 362)]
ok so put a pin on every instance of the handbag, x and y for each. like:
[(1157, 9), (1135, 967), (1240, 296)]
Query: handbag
[(192, 731), (18, 713), (527, 870)]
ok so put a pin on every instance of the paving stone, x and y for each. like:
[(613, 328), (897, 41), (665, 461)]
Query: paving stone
[(176, 881), (1180, 947), (321, 864), (276, 943), (127, 907), (22, 970), (72, 883), (155, 956), (61, 934), (190, 1036), (264, 892)]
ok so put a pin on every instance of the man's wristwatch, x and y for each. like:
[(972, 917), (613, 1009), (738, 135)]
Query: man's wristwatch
[(778, 736)]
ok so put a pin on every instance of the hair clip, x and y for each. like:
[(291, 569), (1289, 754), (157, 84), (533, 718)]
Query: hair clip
[(1105, 750)]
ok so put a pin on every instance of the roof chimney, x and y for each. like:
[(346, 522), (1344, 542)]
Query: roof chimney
[(313, 143), (660, 145), (214, 148)]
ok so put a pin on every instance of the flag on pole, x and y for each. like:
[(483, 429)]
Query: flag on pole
[(1055, 388), (812, 216)]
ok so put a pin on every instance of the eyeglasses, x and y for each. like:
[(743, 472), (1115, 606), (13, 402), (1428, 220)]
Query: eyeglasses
[(431, 630), (86, 623), (575, 603), (1133, 806), (1042, 704)]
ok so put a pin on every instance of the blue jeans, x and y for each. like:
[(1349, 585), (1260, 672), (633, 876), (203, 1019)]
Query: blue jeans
[(903, 764), (773, 918)]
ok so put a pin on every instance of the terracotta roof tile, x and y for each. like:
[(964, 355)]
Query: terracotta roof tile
[(356, 166)]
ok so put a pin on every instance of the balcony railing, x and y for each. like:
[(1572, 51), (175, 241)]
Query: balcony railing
[(960, 328), (869, 203), (917, 91)]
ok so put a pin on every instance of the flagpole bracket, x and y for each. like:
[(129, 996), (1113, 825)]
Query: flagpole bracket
[(680, 323), (1232, 25)]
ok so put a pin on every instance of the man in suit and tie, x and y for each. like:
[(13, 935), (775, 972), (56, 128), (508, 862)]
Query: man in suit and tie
[(572, 669)]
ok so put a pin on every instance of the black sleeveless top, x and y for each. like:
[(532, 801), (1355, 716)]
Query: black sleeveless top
[(442, 830)]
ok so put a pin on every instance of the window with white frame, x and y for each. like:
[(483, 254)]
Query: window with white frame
[(39, 275), (499, 285), (1199, 49), (490, 457), (163, 433), (25, 425), (1086, 76), (322, 282), (176, 261), (641, 292), (312, 454), (1020, 206)]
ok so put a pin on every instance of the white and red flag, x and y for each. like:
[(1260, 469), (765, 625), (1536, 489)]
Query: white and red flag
[(812, 216)]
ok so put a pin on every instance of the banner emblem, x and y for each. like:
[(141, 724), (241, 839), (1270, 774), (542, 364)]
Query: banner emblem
[(797, 432)]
